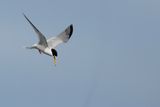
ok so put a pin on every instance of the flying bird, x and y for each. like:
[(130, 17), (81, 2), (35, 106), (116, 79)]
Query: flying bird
[(47, 46)]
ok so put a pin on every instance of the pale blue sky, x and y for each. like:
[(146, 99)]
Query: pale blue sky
[(111, 60)]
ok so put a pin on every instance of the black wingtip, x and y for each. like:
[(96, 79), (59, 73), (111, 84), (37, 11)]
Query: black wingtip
[(71, 30), (24, 15), (26, 18)]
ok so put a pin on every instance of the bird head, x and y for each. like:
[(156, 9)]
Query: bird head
[(55, 54)]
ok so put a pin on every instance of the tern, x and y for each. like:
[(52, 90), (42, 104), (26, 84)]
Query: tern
[(47, 46)]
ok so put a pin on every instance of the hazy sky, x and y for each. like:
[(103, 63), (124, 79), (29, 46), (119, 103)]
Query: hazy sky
[(111, 60)]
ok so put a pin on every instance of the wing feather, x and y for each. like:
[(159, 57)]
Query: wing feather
[(42, 39), (61, 38)]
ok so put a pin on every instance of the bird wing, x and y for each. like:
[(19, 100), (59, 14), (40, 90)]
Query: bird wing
[(63, 37), (42, 39)]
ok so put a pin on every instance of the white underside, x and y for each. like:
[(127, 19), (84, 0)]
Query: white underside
[(46, 51)]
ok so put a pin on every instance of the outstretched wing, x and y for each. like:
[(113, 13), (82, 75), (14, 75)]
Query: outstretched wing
[(42, 39), (61, 38)]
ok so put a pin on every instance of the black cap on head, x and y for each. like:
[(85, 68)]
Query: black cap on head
[(54, 52)]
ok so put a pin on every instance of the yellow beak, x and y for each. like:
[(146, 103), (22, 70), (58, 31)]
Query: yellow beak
[(54, 59)]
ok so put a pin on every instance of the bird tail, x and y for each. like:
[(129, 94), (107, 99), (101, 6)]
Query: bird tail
[(31, 47)]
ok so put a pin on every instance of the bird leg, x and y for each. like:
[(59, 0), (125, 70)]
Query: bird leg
[(39, 51)]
